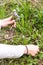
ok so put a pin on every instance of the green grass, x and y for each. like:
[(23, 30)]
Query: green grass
[(29, 30)]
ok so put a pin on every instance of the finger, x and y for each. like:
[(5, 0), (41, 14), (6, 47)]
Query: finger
[(8, 19), (37, 48), (14, 24), (34, 53), (8, 22)]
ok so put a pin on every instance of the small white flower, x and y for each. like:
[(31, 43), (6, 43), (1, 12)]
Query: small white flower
[(23, 36)]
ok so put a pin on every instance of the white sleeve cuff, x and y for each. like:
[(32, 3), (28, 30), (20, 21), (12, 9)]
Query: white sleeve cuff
[(11, 51)]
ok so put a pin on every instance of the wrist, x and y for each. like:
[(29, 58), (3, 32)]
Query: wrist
[(26, 50)]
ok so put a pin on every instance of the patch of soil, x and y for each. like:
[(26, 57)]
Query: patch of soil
[(40, 62), (6, 34)]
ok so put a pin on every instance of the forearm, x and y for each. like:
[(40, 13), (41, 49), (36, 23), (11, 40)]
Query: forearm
[(11, 51)]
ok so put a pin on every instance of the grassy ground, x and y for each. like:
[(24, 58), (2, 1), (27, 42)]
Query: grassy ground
[(29, 30)]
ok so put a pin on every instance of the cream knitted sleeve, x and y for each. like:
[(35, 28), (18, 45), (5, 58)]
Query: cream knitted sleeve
[(11, 51)]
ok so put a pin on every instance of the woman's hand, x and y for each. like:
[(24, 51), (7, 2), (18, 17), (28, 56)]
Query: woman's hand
[(7, 21), (32, 50)]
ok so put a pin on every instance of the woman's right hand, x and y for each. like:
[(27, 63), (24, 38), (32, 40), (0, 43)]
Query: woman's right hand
[(5, 22)]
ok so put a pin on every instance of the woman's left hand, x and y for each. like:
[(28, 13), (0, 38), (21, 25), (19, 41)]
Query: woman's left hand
[(33, 49)]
